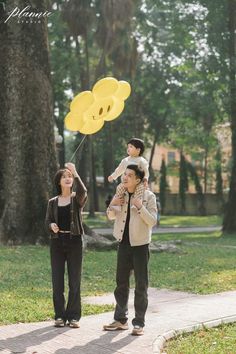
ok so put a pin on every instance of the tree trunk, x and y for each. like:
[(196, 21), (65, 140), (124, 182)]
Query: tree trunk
[(152, 178), (205, 170), (95, 190), (61, 145), (229, 222), (163, 186), (91, 184), (28, 156), (81, 157), (108, 155), (183, 182)]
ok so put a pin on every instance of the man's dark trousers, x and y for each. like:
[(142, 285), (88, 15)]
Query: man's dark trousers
[(132, 258)]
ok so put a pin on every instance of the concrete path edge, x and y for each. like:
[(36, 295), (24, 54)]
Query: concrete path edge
[(160, 341)]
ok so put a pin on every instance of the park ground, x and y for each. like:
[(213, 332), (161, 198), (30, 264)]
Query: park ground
[(205, 264)]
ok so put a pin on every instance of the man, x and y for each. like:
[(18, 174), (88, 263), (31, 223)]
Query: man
[(132, 228)]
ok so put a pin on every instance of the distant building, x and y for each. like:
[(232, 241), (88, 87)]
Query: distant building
[(171, 157)]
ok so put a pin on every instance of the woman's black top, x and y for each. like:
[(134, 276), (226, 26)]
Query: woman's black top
[(64, 217)]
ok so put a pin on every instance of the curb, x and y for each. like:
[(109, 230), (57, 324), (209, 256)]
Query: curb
[(161, 340)]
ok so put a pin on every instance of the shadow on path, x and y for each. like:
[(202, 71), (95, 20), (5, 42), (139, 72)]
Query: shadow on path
[(105, 344), (20, 343)]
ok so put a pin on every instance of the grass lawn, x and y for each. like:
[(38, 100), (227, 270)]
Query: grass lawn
[(101, 221), (207, 264), (187, 221), (25, 278), (220, 340)]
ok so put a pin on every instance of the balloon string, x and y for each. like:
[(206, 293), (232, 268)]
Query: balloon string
[(77, 148)]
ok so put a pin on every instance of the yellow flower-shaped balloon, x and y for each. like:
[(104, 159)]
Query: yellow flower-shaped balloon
[(89, 109)]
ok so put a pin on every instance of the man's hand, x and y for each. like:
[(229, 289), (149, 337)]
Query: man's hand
[(110, 179), (137, 202), (54, 227), (117, 201)]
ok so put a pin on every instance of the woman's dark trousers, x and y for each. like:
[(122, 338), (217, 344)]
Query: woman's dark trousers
[(66, 249)]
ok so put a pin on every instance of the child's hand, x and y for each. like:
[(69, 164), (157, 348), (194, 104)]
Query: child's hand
[(110, 179), (117, 201), (137, 202), (145, 183)]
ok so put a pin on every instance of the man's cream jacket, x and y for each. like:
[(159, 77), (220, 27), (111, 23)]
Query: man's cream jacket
[(141, 221)]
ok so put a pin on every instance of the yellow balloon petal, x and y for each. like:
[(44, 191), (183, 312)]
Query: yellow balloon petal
[(123, 91), (116, 110), (105, 87), (73, 121), (82, 102), (90, 109), (92, 126)]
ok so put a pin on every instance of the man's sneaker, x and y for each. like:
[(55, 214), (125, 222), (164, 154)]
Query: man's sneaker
[(59, 322), (137, 331), (116, 325), (74, 324)]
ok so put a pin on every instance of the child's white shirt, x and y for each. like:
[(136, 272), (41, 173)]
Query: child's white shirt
[(129, 160)]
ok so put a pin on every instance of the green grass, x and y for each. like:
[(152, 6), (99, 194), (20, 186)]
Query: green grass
[(220, 340), (187, 221), (101, 221), (206, 265), (25, 277)]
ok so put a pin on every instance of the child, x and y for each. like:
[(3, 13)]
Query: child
[(135, 149)]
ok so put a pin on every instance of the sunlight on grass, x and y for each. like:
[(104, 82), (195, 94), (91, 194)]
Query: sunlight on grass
[(182, 221), (220, 340), (101, 221), (191, 237)]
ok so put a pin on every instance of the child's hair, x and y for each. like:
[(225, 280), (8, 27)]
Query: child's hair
[(138, 171), (138, 143), (57, 179)]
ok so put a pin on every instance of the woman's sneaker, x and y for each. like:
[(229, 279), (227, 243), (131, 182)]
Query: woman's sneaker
[(74, 324), (116, 325), (59, 322)]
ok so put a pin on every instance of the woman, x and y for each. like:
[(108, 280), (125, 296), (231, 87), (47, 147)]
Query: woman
[(64, 222)]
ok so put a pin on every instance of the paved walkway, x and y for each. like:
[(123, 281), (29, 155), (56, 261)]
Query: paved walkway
[(169, 312)]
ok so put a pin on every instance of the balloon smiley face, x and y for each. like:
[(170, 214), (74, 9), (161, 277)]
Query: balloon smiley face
[(90, 109)]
